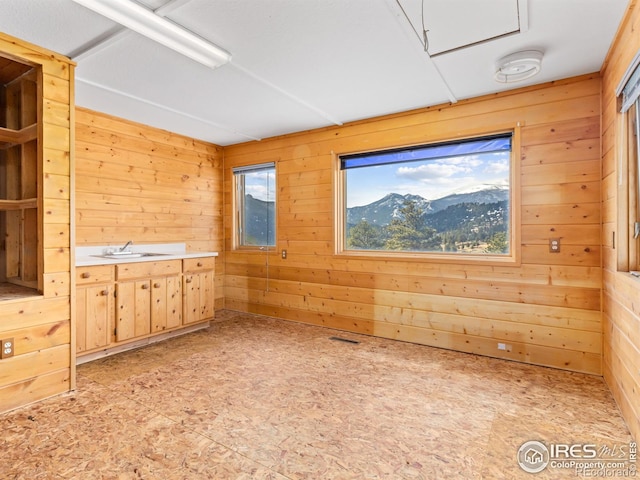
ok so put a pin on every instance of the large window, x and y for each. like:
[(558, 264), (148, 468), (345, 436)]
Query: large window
[(447, 198), (255, 188)]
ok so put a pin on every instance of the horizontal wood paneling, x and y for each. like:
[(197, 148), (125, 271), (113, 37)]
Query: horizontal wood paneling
[(547, 308), (41, 325), (621, 291), (138, 183)]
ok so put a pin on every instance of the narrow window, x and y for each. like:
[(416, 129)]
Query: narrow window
[(255, 188), (629, 98), (447, 198)]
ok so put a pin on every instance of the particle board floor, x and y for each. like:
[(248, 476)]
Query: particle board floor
[(259, 398)]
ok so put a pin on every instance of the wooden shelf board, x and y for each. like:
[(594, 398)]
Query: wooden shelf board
[(18, 204), (9, 137)]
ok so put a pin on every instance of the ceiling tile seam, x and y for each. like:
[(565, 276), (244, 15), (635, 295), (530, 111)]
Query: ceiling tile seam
[(393, 5), (166, 108), (101, 43), (172, 5), (287, 94)]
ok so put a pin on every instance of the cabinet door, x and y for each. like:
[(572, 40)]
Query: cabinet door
[(191, 298), (166, 303), (134, 309), (158, 305), (198, 296), (174, 301), (93, 317), (207, 307)]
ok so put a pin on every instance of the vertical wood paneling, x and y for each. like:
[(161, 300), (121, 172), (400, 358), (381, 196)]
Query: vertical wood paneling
[(147, 185), (466, 307), (621, 315), (41, 325)]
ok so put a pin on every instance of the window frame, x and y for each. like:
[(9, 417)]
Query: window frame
[(239, 204), (514, 255), (627, 242)]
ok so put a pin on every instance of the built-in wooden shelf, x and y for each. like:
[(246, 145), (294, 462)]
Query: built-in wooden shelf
[(10, 137), (18, 204)]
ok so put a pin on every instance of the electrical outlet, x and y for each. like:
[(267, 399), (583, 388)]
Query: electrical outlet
[(284, 254), (554, 245), (7, 348)]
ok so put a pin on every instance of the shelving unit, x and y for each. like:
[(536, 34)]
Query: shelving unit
[(19, 174)]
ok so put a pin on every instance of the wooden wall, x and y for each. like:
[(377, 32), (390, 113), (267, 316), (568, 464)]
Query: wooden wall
[(41, 326), (139, 183), (621, 309), (547, 308)]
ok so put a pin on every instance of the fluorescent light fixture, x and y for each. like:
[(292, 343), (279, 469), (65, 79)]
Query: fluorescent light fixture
[(145, 22)]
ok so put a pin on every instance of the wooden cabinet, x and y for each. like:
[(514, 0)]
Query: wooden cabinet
[(146, 298), (198, 291), (94, 307), (130, 303)]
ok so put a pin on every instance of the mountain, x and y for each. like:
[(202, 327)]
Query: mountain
[(489, 195), (382, 211), (474, 220), (259, 221)]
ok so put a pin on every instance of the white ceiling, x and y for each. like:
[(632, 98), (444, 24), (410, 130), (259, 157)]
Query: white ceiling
[(303, 64)]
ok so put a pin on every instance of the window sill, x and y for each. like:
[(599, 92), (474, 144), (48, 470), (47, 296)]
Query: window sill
[(506, 260)]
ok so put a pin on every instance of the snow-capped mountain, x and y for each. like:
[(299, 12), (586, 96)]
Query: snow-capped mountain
[(382, 211)]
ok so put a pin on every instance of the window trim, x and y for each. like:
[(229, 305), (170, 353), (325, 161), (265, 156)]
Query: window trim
[(238, 205), (628, 214), (511, 259)]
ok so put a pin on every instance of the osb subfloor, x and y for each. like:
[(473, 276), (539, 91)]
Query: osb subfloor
[(259, 398)]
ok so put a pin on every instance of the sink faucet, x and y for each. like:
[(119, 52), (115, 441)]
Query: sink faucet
[(126, 245)]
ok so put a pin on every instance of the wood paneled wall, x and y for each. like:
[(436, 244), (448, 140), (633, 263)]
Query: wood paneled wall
[(139, 183), (621, 291), (547, 308), (41, 325)]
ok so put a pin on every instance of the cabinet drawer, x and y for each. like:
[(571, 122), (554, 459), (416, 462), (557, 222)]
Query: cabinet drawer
[(199, 264), (148, 269), (95, 274)]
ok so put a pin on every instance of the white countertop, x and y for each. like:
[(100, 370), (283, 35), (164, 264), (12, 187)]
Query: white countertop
[(88, 256)]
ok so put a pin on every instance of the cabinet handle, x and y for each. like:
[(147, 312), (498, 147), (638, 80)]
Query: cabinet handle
[(145, 286), (85, 275), (104, 293), (199, 264), (156, 285), (188, 280)]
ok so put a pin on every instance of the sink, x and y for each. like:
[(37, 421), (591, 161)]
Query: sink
[(125, 255)]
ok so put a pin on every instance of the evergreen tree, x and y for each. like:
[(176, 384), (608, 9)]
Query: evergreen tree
[(365, 236), (498, 243), (410, 233)]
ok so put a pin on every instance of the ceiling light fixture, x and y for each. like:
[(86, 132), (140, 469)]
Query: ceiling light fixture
[(145, 22), (518, 66)]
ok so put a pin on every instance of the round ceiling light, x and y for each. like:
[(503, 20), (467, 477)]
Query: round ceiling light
[(518, 66)]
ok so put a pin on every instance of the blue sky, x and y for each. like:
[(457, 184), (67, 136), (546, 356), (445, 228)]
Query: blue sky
[(430, 179), (261, 185)]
